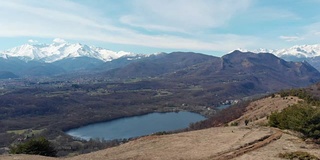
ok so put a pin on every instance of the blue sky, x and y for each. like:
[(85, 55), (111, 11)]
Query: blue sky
[(212, 27)]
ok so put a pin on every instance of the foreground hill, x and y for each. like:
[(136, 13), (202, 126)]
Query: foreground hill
[(204, 144), (214, 143)]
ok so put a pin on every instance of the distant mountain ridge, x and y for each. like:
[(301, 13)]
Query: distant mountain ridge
[(298, 51), (7, 75), (61, 49), (245, 71), (309, 53), (62, 57)]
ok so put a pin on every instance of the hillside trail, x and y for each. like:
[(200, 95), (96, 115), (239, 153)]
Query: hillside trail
[(248, 147)]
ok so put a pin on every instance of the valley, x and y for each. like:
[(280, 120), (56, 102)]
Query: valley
[(56, 107), (33, 106), (252, 141)]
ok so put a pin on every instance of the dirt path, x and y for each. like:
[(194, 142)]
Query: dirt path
[(248, 147)]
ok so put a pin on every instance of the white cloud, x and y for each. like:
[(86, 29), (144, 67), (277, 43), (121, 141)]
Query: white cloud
[(178, 15), (59, 40), (290, 38), (313, 28), (69, 20), (32, 41), (168, 24), (54, 20), (133, 21), (310, 34), (271, 14)]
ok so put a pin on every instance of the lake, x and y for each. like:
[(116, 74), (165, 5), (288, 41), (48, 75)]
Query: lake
[(130, 127)]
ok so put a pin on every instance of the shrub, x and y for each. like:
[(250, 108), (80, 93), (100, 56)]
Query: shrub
[(37, 146), (299, 155), (234, 124), (302, 94), (300, 117), (160, 133)]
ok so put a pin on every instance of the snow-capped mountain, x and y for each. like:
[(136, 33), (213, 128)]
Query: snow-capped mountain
[(298, 51), (303, 51), (60, 49), (309, 53)]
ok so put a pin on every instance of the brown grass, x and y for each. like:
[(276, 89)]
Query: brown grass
[(258, 111)]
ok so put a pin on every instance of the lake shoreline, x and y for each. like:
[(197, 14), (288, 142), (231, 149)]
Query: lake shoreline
[(136, 126), (202, 110)]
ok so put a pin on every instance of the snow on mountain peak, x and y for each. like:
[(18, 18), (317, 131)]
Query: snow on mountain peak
[(241, 50), (61, 49), (299, 51), (303, 51)]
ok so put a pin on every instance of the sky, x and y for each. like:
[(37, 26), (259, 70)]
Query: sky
[(213, 27)]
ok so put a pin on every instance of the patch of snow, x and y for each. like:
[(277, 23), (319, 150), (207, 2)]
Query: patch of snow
[(299, 51)]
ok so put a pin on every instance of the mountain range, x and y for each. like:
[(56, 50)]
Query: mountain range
[(302, 51), (309, 53), (62, 57), (60, 50), (237, 71)]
